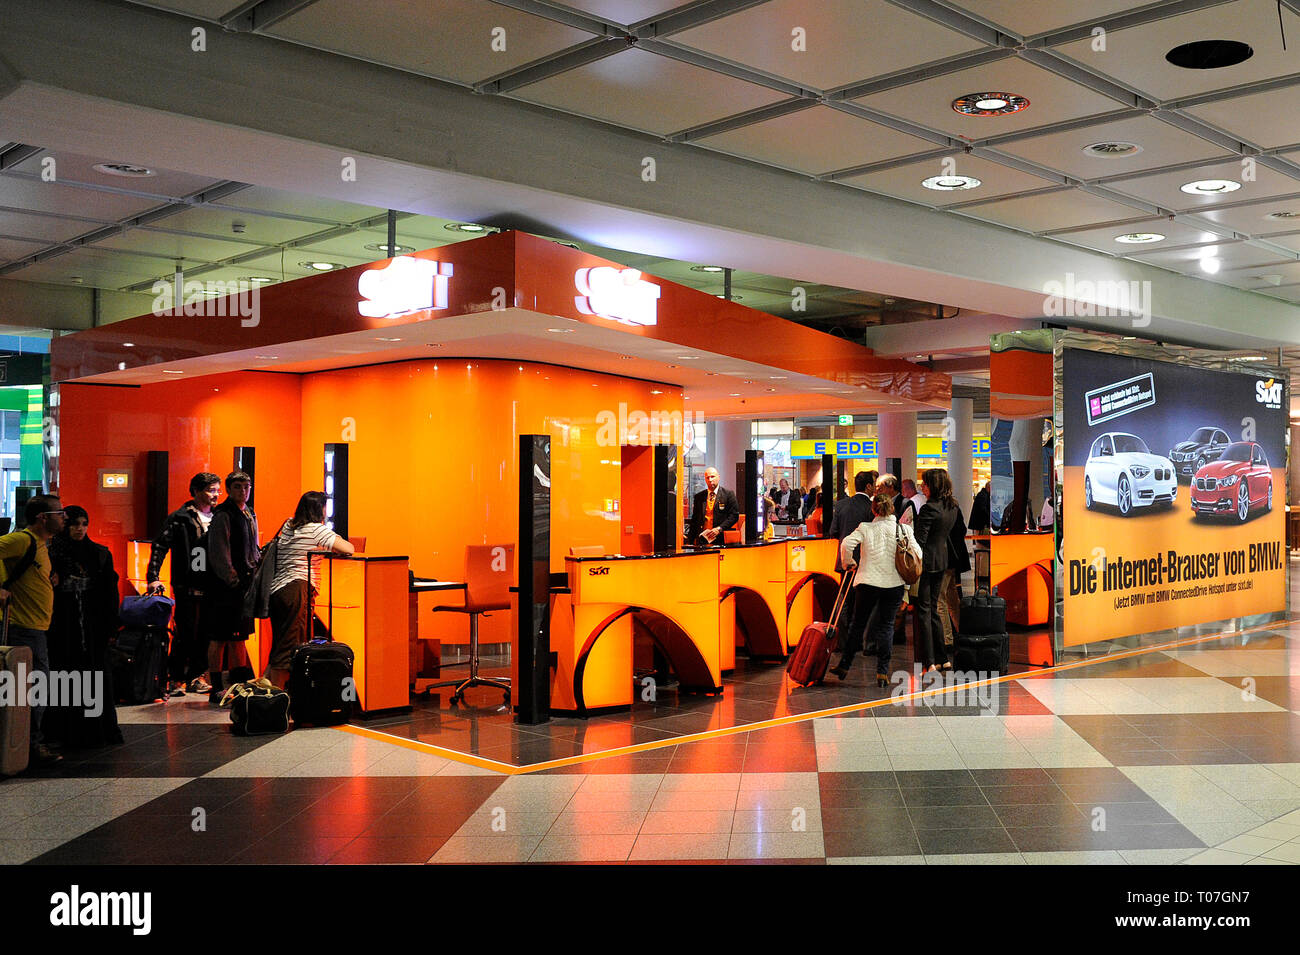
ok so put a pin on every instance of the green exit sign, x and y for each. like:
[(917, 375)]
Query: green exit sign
[(846, 419)]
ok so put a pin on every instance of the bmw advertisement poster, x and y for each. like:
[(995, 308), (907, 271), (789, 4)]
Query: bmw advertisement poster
[(1174, 495)]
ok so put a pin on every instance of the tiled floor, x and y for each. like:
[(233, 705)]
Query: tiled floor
[(1186, 755)]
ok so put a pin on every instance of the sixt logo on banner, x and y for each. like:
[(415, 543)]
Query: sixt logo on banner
[(405, 285), (618, 294), (1269, 393)]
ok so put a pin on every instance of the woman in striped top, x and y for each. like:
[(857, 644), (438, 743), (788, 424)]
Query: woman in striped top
[(292, 578)]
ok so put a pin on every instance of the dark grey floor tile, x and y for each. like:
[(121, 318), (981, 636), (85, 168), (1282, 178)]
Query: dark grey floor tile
[(946, 796), (953, 817), (873, 799), (958, 841), (1131, 813), (932, 778), (876, 841), (1057, 815), (1012, 777), (865, 818), (860, 780), (1029, 795)]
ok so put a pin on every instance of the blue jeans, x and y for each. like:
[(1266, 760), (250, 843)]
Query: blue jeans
[(35, 639)]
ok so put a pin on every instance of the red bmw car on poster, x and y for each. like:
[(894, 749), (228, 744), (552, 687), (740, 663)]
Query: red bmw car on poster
[(1239, 481)]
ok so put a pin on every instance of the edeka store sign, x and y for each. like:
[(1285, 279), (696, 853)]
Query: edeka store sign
[(925, 447)]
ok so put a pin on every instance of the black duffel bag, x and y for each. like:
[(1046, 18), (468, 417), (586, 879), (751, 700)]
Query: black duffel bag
[(257, 708)]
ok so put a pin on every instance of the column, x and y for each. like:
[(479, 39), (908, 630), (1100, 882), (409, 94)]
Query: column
[(896, 438), (728, 442), (961, 435)]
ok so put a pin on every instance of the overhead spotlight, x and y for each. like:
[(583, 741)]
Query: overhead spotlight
[(1137, 238), (1209, 54), (951, 183), (1210, 187)]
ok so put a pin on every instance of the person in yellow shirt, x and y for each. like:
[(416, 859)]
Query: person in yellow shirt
[(27, 594)]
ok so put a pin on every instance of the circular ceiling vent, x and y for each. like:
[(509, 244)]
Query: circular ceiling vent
[(1112, 150), (1210, 54), (989, 104), (123, 169), (1283, 215)]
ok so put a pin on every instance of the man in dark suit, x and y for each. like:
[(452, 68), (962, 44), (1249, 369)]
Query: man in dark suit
[(715, 510), (848, 515)]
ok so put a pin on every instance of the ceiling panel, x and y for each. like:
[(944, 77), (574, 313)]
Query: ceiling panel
[(208, 9), (1268, 120), (1161, 145), (49, 228), (626, 12), (1059, 210), (167, 245), (288, 264), (13, 249), (1032, 17), (817, 140), (97, 268), (70, 200), (1233, 255), (1256, 218), (1164, 189), (904, 182), (846, 40), (1136, 56), (69, 167), (1051, 99), (1265, 277), (648, 92), (1290, 241), (273, 201), (1103, 240), (258, 229), (451, 39)]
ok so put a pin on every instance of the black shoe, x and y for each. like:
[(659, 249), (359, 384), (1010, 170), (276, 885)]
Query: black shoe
[(42, 756), (841, 672)]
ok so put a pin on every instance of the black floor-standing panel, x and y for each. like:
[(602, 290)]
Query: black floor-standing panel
[(533, 693)]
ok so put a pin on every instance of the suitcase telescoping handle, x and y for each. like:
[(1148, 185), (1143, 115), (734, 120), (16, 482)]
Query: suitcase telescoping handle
[(846, 584)]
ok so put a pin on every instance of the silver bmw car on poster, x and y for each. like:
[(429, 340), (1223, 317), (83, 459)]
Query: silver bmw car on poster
[(1122, 471)]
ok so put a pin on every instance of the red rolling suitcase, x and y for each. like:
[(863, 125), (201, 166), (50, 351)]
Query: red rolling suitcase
[(808, 663)]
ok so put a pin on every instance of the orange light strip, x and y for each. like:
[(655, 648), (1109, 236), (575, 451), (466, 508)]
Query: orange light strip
[(507, 769)]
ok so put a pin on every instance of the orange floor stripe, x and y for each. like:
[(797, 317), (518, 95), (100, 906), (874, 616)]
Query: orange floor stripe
[(507, 769)]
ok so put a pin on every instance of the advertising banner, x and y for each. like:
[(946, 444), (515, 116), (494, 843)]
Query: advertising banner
[(1175, 486)]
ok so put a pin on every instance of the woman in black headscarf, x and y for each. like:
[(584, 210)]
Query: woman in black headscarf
[(85, 618)]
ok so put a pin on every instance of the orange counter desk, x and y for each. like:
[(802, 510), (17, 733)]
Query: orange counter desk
[(692, 604)]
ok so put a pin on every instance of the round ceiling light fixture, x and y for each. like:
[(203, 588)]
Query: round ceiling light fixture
[(951, 183), (1210, 54), (320, 266), (126, 169), (383, 247), (1112, 150), (1210, 187), (989, 104), (1138, 238), (471, 227), (257, 279), (706, 268), (1284, 214)]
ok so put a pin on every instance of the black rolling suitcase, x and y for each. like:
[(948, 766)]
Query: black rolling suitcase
[(321, 688), (139, 663), (981, 643)]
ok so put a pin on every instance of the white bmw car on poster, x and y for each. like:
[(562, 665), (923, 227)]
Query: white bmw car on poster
[(1121, 471)]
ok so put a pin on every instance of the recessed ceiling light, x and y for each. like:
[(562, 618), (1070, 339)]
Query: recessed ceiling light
[(560, 331), (777, 377), (688, 357), (257, 279), (626, 357), (989, 104), (707, 268), (734, 298), (126, 169), (1284, 214), (1250, 358), (735, 394), (388, 339), (465, 227), (383, 247), (1210, 54), (168, 371), (76, 279), (321, 266), (711, 374), (1210, 265), (1112, 150), (1137, 238), (1210, 187), (267, 357), (655, 391), (121, 366), (951, 183), (433, 344)]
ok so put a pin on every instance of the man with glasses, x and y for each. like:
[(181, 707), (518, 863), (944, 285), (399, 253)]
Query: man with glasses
[(233, 555), (28, 597)]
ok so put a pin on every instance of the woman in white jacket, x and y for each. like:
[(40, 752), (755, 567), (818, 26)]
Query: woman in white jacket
[(880, 589)]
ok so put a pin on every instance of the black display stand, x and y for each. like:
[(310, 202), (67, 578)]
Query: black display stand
[(533, 638), (753, 510), (828, 492), (665, 503), (246, 461), (337, 490)]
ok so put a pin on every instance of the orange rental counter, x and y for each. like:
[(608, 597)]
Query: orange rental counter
[(674, 595), (811, 583), (752, 592)]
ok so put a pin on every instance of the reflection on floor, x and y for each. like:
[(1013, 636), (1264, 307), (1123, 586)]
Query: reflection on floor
[(1189, 754)]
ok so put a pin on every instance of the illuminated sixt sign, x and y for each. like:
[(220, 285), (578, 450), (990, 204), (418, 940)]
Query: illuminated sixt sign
[(618, 294), (405, 285)]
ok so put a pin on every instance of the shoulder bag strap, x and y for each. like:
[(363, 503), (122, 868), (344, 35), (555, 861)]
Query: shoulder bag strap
[(25, 562)]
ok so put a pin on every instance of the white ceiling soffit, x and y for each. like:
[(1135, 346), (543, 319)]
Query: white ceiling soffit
[(279, 110)]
